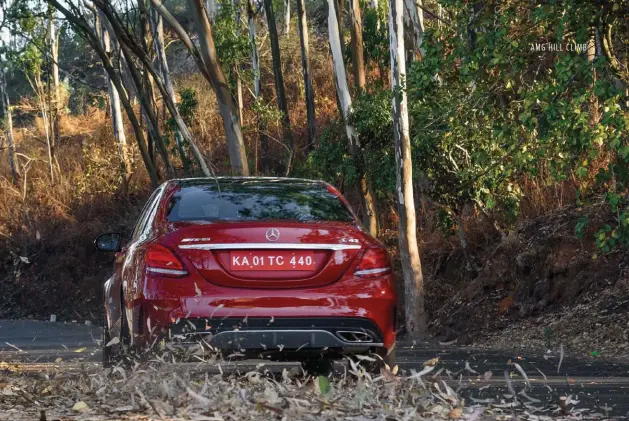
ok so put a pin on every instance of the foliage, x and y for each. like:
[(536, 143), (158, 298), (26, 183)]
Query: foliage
[(488, 106), (331, 161), (371, 117), (375, 35), (231, 38)]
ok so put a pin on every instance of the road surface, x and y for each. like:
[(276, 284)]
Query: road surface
[(599, 385)]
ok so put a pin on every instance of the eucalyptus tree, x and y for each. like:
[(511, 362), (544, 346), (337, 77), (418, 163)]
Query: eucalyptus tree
[(345, 100), (206, 60), (409, 251), (110, 46), (78, 20), (302, 23), (157, 32), (280, 92)]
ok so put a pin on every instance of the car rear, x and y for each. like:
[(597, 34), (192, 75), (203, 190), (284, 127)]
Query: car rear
[(264, 265)]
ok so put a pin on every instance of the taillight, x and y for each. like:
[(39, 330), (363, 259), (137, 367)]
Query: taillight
[(374, 261), (160, 259)]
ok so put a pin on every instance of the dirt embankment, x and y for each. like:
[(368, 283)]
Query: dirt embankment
[(540, 286)]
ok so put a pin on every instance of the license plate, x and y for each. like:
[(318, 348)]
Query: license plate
[(271, 260)]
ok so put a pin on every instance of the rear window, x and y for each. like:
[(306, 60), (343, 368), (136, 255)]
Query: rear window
[(254, 202)]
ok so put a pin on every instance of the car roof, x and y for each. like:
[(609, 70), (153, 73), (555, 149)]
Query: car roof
[(257, 181)]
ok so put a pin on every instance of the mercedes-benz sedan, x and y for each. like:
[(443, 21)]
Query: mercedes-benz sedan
[(260, 265)]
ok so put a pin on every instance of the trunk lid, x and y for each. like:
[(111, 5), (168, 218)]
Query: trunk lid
[(267, 254)]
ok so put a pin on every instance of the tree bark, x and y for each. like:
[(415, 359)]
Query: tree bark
[(357, 45), (339, 6), (239, 97), (114, 103), (346, 104), (409, 251), (415, 17), (157, 25), (287, 18), (305, 64), (592, 54), (6, 120), (229, 112), (81, 25), (255, 58), (279, 80)]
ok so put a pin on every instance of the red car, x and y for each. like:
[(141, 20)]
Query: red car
[(262, 265)]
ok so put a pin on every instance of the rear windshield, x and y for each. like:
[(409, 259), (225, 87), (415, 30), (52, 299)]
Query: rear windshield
[(251, 202)]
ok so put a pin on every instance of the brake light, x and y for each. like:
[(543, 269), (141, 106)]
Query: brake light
[(160, 259), (373, 262)]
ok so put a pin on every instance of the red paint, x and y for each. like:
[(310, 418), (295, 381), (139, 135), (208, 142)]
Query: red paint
[(326, 287)]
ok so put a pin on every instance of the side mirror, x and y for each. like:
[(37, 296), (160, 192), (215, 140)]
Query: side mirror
[(109, 242)]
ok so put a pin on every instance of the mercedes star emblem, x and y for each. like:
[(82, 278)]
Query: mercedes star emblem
[(273, 234)]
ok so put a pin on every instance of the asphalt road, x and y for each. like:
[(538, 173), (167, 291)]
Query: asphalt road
[(598, 385)]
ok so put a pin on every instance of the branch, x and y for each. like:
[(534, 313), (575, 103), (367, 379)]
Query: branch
[(609, 54), (183, 36), (448, 23), (49, 57)]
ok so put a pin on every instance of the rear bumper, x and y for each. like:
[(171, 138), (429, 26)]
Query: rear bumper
[(299, 333), (164, 305)]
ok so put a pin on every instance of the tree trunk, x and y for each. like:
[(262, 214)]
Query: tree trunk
[(339, 6), (157, 24), (305, 64), (279, 80), (409, 251), (346, 104), (287, 18), (54, 54), (7, 121), (415, 16), (236, 70), (255, 65), (255, 58), (148, 98), (357, 45), (115, 112), (228, 110), (41, 93), (592, 54)]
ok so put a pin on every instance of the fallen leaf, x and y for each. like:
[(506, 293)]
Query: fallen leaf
[(324, 385), (456, 413), (432, 362), (114, 341), (24, 259), (58, 360), (81, 349), (80, 406)]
